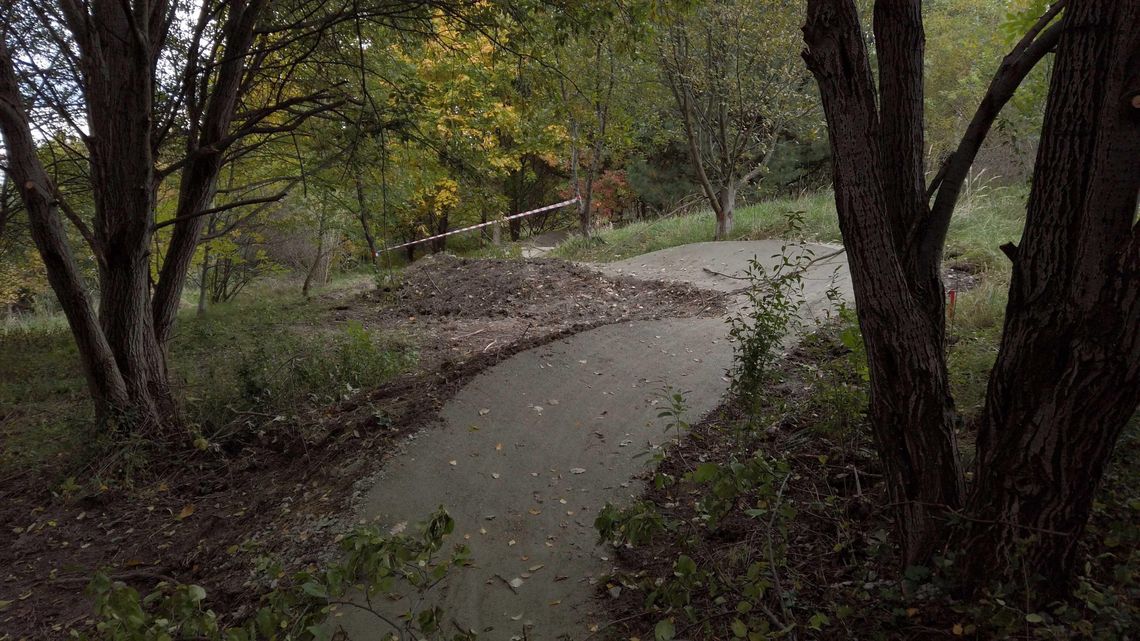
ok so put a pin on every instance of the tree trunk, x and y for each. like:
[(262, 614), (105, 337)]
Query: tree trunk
[(199, 179), (515, 224), (440, 244), (6, 207), (105, 382), (362, 204), (315, 266), (900, 310), (1067, 378), (727, 201)]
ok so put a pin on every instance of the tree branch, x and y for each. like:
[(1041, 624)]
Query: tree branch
[(214, 210), (1013, 70)]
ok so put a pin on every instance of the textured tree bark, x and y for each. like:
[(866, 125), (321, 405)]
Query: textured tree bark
[(119, 91), (440, 244), (1067, 377), (727, 207), (911, 411)]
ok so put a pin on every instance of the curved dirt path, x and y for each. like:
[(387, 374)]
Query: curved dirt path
[(567, 427)]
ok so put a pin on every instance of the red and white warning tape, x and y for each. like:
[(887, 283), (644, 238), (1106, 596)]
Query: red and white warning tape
[(486, 224)]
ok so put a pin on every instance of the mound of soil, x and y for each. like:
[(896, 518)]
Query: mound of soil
[(445, 286)]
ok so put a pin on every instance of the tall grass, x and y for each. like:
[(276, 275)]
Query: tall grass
[(269, 353)]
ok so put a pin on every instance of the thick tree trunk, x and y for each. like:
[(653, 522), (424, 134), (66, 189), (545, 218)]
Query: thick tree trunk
[(124, 366), (911, 411), (119, 96), (106, 384), (1067, 377)]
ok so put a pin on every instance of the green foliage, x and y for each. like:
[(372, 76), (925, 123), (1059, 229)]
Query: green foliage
[(374, 563), (837, 384), (757, 483), (633, 525), (279, 370), (774, 298), (753, 486)]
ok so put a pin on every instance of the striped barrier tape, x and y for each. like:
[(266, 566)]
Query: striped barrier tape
[(481, 225)]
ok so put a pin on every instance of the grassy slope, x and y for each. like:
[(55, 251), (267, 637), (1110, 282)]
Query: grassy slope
[(269, 351), (980, 225)]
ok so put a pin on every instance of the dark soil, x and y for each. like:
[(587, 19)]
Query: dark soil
[(286, 491), (838, 557), (820, 541), (458, 307)]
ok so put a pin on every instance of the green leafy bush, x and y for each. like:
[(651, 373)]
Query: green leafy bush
[(374, 563)]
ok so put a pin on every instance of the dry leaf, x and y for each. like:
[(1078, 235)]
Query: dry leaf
[(186, 511)]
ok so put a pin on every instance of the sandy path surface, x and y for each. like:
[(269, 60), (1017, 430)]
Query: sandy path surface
[(533, 447)]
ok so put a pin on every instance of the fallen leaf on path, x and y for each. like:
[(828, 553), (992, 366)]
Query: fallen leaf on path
[(577, 470), (516, 582), (485, 411), (453, 462), (186, 512)]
